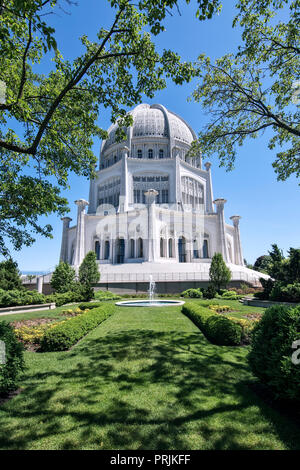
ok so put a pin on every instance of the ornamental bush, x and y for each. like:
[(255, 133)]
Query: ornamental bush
[(66, 298), (288, 293), (210, 292), (230, 295), (15, 297), (192, 293), (217, 328), (67, 333), (106, 295), (14, 363), (271, 351)]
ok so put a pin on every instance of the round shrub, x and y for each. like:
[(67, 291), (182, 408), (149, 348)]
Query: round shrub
[(192, 293), (289, 293), (230, 295), (271, 351), (210, 292), (14, 362)]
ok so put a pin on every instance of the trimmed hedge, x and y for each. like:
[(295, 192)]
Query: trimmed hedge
[(69, 332), (14, 365), (217, 328), (65, 298), (90, 305)]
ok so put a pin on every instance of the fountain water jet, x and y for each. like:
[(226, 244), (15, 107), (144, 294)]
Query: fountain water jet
[(151, 302), (151, 289)]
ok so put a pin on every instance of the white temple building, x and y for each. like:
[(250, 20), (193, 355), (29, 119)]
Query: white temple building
[(151, 210)]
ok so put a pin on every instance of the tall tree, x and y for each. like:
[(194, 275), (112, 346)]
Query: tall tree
[(10, 275), (48, 122), (63, 277), (88, 270), (255, 89), (262, 263), (293, 265), (219, 274), (277, 263)]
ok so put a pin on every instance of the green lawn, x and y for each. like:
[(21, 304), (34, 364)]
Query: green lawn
[(144, 379)]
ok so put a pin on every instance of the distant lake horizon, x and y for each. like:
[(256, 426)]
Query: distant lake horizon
[(33, 273)]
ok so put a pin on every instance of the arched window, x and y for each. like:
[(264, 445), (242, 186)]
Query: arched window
[(161, 153), (181, 250), (115, 159), (170, 248), (120, 249), (162, 248), (132, 248), (106, 250), (150, 153), (196, 249), (205, 249), (97, 249), (140, 248), (139, 153)]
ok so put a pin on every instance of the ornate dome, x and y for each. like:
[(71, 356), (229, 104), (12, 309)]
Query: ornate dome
[(153, 121)]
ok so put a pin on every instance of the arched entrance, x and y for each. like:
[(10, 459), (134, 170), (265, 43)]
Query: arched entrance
[(182, 250), (120, 250)]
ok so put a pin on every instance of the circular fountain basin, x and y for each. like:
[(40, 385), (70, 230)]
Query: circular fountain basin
[(149, 303)]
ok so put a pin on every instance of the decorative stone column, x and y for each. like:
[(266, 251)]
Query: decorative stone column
[(150, 201), (65, 239), (80, 232), (209, 189), (221, 222), (238, 255), (123, 203), (39, 284)]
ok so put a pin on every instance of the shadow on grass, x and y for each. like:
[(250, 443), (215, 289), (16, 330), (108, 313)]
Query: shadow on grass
[(144, 389)]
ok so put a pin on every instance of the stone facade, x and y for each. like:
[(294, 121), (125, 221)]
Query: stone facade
[(151, 203)]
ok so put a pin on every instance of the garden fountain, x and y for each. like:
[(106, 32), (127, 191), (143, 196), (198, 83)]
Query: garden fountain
[(151, 302), (151, 289)]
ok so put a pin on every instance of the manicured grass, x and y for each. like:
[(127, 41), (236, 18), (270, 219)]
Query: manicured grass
[(144, 379)]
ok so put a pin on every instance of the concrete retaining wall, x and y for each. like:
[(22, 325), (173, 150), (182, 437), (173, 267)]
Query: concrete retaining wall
[(164, 287), (266, 303), (26, 308)]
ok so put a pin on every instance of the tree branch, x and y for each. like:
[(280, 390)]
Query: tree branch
[(24, 62)]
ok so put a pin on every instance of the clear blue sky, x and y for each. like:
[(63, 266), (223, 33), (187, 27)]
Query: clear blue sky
[(269, 209)]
